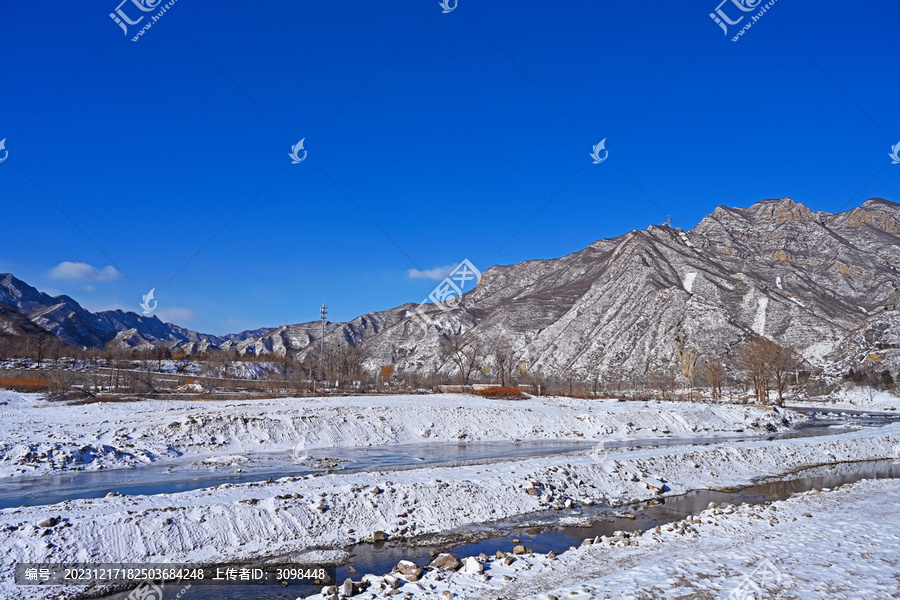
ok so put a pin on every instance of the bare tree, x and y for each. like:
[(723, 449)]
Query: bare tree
[(41, 343), (662, 379), (143, 379), (343, 361), (753, 358), (285, 364), (466, 354), (161, 351), (218, 364), (765, 362), (783, 361), (505, 362), (569, 380), (712, 373)]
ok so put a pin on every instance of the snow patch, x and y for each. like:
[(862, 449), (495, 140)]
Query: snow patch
[(685, 239), (759, 323), (689, 281)]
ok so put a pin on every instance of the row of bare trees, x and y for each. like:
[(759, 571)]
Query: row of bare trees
[(763, 364)]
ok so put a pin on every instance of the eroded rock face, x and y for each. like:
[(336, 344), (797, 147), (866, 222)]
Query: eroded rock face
[(630, 304), (621, 307)]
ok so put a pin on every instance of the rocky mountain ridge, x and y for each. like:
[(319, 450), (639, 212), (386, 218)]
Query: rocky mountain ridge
[(819, 282), (73, 324)]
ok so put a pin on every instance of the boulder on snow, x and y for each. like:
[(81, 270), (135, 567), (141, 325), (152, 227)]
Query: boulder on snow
[(410, 570), (49, 522), (654, 485), (347, 588), (446, 561), (471, 566)]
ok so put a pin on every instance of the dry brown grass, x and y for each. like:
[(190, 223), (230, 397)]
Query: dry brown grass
[(502, 393), (25, 384)]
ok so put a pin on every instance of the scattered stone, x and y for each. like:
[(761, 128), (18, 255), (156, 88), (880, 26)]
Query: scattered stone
[(347, 588), (807, 515), (447, 561), (654, 485), (471, 566), (378, 536), (508, 560), (50, 522), (410, 570), (520, 549)]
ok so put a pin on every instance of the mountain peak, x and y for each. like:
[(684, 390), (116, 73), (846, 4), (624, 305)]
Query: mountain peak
[(880, 203)]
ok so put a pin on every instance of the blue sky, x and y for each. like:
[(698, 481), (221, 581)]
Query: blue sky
[(431, 138)]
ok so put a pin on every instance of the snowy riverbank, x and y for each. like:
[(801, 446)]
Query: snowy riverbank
[(832, 544), (235, 522), (40, 437)]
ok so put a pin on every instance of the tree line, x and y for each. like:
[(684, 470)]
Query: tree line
[(759, 369)]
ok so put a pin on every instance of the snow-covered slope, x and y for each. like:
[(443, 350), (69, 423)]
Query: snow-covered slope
[(633, 304), (37, 436)]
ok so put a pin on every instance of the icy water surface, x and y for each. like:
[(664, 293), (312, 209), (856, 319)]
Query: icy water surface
[(544, 537), (191, 474)]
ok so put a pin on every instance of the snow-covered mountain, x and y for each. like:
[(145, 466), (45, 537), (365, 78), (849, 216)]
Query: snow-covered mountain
[(75, 325), (826, 284), (816, 281)]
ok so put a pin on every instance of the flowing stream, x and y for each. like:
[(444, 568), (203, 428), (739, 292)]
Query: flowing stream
[(182, 475), (540, 532)]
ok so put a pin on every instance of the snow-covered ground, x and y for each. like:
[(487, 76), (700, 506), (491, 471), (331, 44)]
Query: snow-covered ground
[(837, 544), (38, 437), (855, 399), (291, 515), (237, 522)]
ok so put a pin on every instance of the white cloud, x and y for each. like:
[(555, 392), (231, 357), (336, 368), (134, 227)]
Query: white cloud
[(84, 272), (436, 273), (175, 314)]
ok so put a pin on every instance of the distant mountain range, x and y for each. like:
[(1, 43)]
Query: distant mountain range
[(826, 284), (23, 309)]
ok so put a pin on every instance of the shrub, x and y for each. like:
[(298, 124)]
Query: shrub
[(25, 384), (503, 393)]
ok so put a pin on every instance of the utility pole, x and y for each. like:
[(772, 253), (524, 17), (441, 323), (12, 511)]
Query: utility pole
[(324, 313)]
